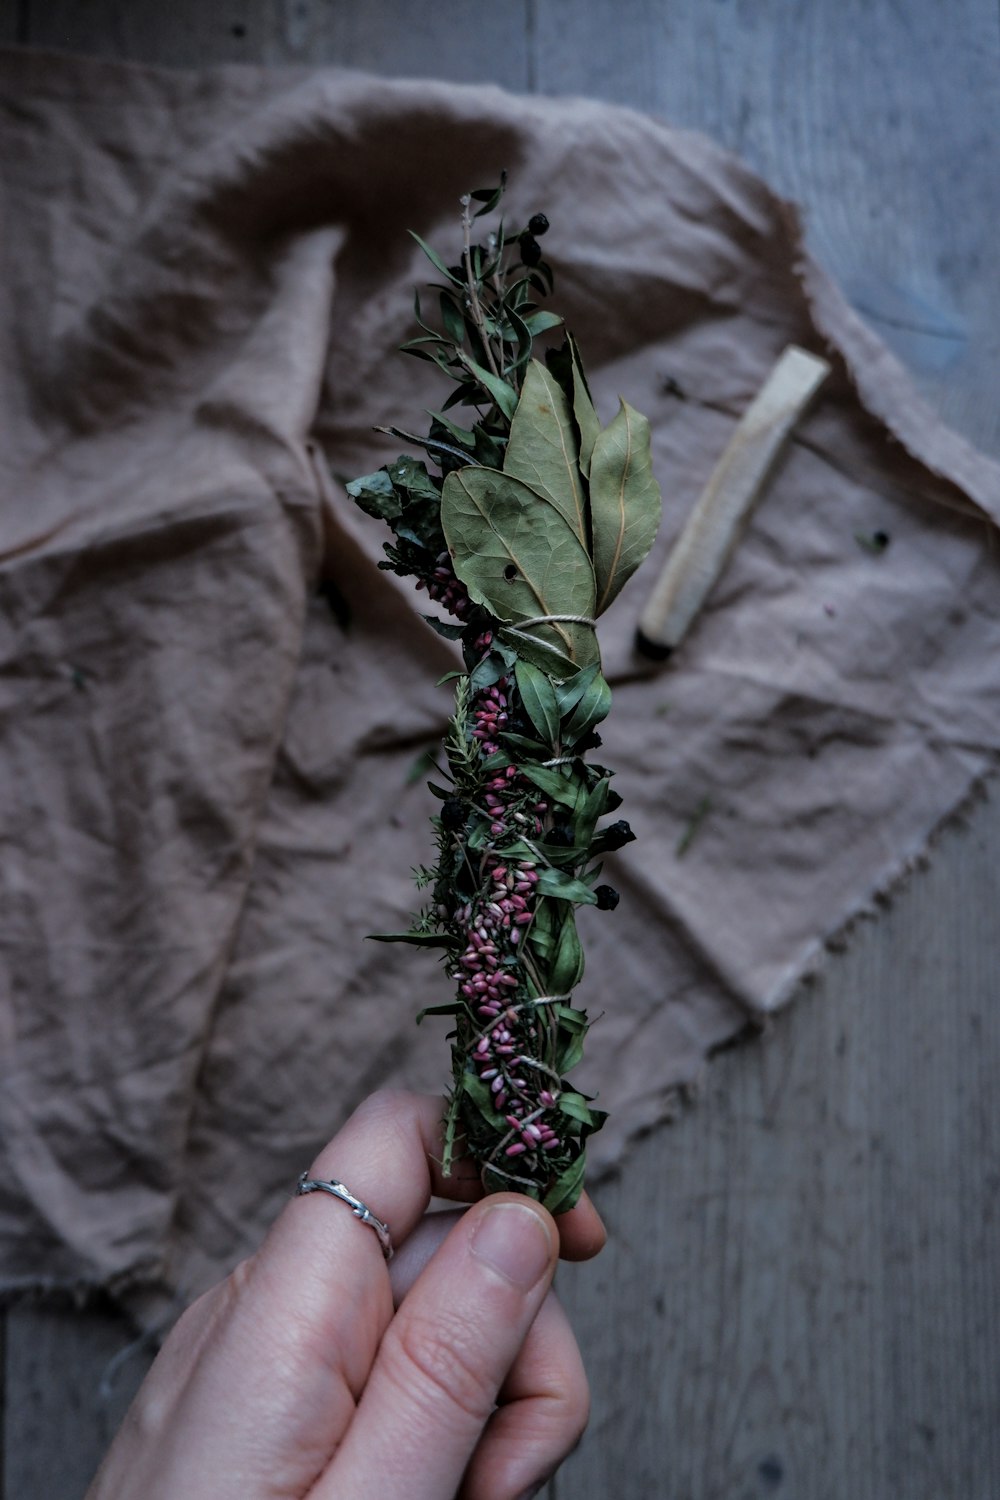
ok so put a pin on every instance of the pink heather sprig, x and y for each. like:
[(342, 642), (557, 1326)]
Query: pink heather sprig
[(445, 589)]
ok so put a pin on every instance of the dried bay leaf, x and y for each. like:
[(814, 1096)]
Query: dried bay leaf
[(624, 501), (567, 367), (542, 449), (520, 558)]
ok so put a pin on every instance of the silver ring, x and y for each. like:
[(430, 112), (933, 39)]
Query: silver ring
[(360, 1210)]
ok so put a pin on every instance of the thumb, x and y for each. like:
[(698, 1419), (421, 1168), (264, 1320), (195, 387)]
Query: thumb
[(445, 1355)]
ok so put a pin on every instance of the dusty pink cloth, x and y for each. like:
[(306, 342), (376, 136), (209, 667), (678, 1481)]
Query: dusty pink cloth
[(205, 769)]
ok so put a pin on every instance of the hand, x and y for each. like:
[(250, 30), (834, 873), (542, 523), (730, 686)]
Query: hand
[(316, 1371)]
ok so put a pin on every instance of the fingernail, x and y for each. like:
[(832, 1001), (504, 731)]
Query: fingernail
[(515, 1242), (536, 1489)]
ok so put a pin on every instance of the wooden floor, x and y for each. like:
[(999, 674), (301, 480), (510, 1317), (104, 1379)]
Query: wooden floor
[(801, 1295)]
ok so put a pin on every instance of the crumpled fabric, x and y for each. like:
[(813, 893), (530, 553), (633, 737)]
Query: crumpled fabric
[(213, 701)]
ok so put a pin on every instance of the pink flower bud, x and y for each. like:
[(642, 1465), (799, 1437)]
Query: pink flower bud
[(515, 1149)]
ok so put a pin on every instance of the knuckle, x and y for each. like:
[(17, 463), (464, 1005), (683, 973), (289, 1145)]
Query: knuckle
[(437, 1362)]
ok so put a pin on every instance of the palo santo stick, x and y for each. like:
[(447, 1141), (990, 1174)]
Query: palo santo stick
[(723, 508)]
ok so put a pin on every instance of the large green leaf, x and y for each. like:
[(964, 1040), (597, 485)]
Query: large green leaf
[(519, 557), (567, 367), (542, 449), (624, 501)]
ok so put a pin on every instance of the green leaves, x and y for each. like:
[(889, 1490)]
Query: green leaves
[(564, 887), (566, 1189), (567, 368), (594, 705), (415, 939), (376, 495), (503, 394), (567, 966), (518, 557), (539, 699), (624, 502), (542, 450)]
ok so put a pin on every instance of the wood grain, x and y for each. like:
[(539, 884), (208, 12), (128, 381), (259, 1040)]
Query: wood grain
[(13, 20), (800, 1292), (878, 118), (392, 37), (69, 1377), (800, 1295)]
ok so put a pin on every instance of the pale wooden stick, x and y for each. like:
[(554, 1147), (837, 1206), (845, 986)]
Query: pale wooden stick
[(723, 508)]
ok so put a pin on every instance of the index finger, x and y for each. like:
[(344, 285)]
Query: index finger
[(267, 1386)]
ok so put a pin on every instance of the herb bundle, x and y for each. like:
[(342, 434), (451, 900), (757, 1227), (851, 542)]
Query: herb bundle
[(535, 519)]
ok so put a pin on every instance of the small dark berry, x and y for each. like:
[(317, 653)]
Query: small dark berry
[(617, 836), (607, 897), (452, 813), (538, 224), (561, 836), (591, 741), (531, 251), (881, 539)]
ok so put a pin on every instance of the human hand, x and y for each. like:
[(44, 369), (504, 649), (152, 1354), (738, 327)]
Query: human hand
[(318, 1372)]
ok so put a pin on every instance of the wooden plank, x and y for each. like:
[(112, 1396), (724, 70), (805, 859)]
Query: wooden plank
[(880, 119), (392, 37), (801, 1291), (13, 21), (70, 1376)]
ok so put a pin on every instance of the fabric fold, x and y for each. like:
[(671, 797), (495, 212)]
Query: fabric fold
[(216, 708)]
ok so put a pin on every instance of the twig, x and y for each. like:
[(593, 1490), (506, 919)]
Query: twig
[(474, 305)]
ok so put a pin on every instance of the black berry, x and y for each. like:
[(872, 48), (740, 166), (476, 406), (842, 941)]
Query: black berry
[(452, 813), (538, 224), (562, 836), (531, 250), (617, 836), (607, 897)]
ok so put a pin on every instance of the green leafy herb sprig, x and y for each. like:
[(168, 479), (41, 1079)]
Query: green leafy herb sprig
[(535, 519)]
